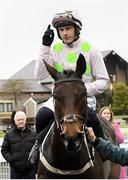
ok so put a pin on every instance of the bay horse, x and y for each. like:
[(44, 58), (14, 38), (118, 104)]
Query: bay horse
[(65, 152)]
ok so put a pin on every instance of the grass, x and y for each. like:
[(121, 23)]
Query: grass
[(123, 125), (120, 116), (123, 120), (2, 134)]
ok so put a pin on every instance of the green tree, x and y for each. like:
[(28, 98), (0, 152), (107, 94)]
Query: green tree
[(120, 99), (103, 99), (15, 87)]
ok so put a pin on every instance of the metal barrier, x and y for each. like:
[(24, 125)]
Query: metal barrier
[(4, 166), (4, 170)]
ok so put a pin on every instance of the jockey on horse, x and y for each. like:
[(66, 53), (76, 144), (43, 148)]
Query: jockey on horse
[(63, 55)]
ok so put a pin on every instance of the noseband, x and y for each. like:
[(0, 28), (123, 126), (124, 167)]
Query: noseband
[(70, 117)]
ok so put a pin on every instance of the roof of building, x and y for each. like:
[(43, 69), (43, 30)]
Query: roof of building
[(27, 73), (111, 52), (36, 100), (39, 101), (33, 86), (106, 53), (2, 82)]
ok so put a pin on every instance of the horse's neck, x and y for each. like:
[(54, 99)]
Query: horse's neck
[(55, 152)]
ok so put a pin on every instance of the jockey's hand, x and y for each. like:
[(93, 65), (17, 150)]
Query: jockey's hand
[(91, 135), (48, 36)]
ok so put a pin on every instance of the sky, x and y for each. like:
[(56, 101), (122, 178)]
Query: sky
[(23, 22)]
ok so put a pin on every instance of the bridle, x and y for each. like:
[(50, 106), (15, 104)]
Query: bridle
[(69, 118)]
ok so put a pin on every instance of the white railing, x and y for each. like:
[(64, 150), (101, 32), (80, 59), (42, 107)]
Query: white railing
[(4, 170), (4, 166)]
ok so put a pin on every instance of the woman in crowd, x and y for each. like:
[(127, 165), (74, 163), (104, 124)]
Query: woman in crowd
[(107, 113)]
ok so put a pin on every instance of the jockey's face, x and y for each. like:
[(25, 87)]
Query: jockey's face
[(106, 114), (67, 33)]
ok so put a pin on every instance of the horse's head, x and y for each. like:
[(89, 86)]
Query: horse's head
[(70, 104)]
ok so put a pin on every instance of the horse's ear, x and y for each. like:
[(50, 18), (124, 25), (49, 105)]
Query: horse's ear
[(53, 72), (81, 66)]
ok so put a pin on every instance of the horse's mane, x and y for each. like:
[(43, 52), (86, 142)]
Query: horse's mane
[(67, 73)]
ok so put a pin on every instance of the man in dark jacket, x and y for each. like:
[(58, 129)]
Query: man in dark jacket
[(107, 150), (16, 147)]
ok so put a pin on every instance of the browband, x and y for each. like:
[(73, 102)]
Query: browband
[(68, 80)]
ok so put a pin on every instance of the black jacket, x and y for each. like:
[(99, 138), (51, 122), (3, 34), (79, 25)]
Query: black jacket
[(16, 147)]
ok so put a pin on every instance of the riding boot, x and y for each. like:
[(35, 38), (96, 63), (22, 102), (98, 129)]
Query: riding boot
[(94, 122), (34, 154)]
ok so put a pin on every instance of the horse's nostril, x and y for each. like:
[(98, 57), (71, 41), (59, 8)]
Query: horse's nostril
[(62, 135)]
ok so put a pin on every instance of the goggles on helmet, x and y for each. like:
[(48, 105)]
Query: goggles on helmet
[(67, 18)]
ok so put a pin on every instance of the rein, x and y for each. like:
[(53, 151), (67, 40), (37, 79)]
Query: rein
[(62, 171)]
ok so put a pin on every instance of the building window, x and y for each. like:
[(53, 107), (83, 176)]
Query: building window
[(6, 107)]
